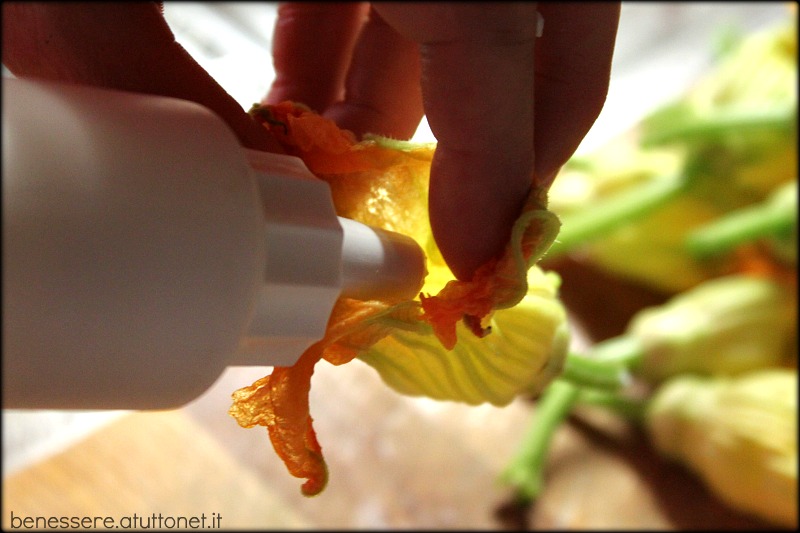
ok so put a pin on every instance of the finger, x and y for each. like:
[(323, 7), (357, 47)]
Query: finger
[(382, 91), (125, 46), (573, 66), (311, 49), (477, 74)]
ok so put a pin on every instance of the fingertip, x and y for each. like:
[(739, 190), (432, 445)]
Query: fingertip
[(471, 213), (574, 58), (397, 122), (311, 50), (382, 92)]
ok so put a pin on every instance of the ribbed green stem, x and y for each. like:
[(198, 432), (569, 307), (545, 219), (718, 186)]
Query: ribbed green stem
[(693, 129), (525, 472), (611, 360), (623, 350), (775, 217), (582, 226), (630, 409), (585, 371)]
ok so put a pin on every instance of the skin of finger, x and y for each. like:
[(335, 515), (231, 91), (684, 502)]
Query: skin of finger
[(383, 93), (125, 46), (312, 45), (477, 77), (573, 67)]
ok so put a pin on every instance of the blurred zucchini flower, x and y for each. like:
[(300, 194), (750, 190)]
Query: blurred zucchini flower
[(739, 434), (724, 326)]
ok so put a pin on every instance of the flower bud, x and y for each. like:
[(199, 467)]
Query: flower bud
[(739, 434), (724, 326)]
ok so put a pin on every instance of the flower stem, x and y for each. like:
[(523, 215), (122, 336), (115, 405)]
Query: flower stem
[(774, 217), (582, 226), (694, 129), (588, 371), (611, 359), (526, 469), (630, 409), (622, 350)]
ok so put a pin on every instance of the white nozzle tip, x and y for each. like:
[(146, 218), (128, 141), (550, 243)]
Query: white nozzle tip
[(380, 264)]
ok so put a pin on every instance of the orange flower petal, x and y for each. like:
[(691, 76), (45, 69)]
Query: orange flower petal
[(498, 284), (324, 148), (360, 173), (280, 402)]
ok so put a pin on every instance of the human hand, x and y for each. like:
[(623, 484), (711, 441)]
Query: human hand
[(119, 45), (476, 70), (482, 78)]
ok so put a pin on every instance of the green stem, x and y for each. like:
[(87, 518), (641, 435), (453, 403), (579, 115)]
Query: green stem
[(774, 217), (594, 221), (623, 350), (611, 360), (695, 128), (526, 470), (630, 409), (590, 372)]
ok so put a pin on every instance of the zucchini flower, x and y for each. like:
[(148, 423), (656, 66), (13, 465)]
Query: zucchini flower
[(741, 118), (730, 326), (735, 137), (738, 434), (724, 326), (500, 334), (525, 351)]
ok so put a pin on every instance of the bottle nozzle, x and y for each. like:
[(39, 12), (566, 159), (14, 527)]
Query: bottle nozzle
[(313, 257), (380, 264)]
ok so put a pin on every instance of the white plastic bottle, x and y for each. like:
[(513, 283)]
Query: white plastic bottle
[(144, 251)]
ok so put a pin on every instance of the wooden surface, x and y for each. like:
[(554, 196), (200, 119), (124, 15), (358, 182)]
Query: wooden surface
[(395, 463)]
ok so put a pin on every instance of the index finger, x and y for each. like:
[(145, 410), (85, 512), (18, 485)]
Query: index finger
[(478, 76), (573, 66)]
